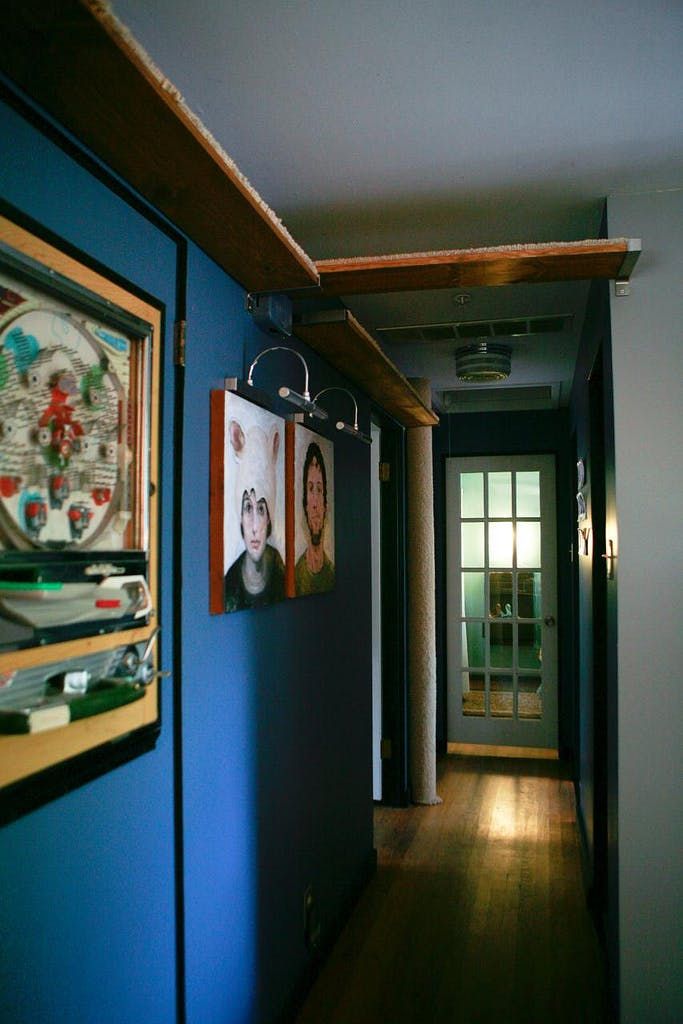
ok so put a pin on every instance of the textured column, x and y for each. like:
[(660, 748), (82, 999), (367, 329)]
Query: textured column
[(421, 608)]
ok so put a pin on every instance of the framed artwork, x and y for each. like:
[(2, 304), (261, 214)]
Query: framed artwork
[(312, 513), (580, 507), (580, 474), (247, 505), (79, 385), (582, 510)]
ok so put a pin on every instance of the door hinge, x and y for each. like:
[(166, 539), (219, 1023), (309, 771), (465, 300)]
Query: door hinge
[(384, 472), (385, 750), (179, 341)]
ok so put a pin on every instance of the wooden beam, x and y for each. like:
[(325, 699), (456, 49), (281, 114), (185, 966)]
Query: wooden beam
[(469, 268), (345, 343), (75, 60)]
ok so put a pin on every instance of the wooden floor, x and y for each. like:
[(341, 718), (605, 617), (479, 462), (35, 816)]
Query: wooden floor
[(476, 913)]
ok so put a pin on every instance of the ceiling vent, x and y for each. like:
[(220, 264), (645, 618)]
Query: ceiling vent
[(506, 399), (476, 330)]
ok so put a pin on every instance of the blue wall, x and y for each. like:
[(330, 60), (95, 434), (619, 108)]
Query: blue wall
[(86, 906), (276, 711), (271, 747)]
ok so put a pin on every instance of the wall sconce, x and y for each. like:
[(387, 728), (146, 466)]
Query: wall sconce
[(303, 400), (347, 427)]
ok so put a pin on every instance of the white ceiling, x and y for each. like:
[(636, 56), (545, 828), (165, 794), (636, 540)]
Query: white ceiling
[(408, 125)]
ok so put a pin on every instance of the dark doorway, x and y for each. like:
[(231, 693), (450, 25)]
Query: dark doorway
[(394, 744)]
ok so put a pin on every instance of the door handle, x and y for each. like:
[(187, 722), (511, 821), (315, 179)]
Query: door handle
[(549, 620)]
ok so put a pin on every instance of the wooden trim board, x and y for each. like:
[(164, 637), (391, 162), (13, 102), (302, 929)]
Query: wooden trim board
[(469, 268)]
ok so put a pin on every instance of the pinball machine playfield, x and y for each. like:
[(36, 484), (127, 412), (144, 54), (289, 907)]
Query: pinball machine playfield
[(79, 386)]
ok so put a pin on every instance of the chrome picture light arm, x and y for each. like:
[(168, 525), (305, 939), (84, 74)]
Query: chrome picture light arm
[(303, 400), (347, 428)]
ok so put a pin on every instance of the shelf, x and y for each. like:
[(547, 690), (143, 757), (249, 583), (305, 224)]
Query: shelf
[(140, 127), (345, 343), (90, 75), (468, 268), (83, 68)]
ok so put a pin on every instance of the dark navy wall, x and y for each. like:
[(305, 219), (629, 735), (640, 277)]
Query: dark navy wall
[(272, 745), (86, 901), (514, 433), (596, 741), (595, 339)]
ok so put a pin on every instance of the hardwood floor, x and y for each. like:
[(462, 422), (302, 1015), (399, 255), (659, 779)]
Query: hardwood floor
[(476, 913)]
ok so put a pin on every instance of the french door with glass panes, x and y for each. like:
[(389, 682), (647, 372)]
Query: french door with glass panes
[(501, 600)]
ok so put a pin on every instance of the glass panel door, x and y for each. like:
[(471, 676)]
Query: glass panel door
[(502, 647)]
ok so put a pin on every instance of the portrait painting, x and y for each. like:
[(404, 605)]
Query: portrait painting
[(314, 565), (247, 505)]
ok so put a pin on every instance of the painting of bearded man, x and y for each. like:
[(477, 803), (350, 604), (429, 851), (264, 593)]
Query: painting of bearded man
[(314, 571)]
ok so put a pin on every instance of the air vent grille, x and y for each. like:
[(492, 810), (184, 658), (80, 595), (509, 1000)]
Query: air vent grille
[(475, 330), (536, 396)]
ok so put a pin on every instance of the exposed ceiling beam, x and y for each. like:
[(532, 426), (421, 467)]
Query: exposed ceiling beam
[(76, 61), (468, 268), (344, 342)]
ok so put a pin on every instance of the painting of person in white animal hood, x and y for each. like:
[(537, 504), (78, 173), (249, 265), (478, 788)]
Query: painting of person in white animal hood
[(253, 514)]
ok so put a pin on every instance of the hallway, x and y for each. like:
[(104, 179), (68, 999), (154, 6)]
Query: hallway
[(476, 914)]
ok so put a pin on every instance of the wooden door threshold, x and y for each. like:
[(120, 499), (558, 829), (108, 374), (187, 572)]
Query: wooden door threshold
[(489, 750)]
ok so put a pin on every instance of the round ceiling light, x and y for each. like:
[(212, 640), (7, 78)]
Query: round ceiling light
[(482, 363)]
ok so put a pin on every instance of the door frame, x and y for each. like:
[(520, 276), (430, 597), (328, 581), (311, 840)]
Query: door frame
[(599, 625), (395, 782), (376, 606)]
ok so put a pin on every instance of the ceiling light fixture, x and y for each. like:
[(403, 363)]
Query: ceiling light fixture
[(483, 362)]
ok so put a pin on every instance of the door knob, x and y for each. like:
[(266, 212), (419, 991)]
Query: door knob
[(549, 620)]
